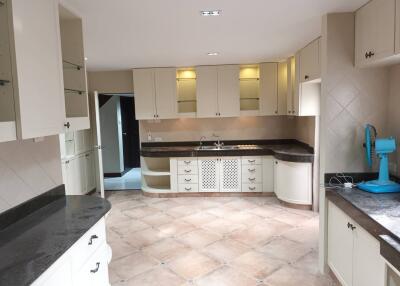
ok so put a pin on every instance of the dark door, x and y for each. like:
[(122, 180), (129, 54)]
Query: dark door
[(130, 133)]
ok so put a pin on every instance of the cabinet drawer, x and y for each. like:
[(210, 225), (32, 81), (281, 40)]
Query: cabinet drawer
[(187, 162), (187, 170), (252, 188), (95, 271), (88, 244), (250, 160), (188, 179), (252, 170), (188, 188), (251, 177)]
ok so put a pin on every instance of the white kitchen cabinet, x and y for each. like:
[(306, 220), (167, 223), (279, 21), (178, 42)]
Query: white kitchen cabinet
[(95, 271), (155, 93), (218, 92), (397, 35), (79, 174), (89, 171), (230, 174), (269, 89), (293, 182), (353, 254), (310, 66), (209, 174), (36, 55), (268, 174), (282, 88), (7, 112), (375, 32)]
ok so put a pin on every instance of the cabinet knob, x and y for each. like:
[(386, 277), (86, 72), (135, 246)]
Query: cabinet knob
[(276, 162), (366, 55), (276, 111), (68, 125), (252, 188), (306, 77), (188, 189), (3, 81), (96, 269), (188, 171), (188, 180), (289, 112)]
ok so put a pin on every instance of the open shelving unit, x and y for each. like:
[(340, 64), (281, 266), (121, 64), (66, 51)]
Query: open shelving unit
[(156, 175), (74, 70), (186, 92), (7, 109), (249, 79)]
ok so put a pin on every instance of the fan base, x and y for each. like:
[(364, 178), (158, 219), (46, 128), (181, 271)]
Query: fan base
[(379, 187)]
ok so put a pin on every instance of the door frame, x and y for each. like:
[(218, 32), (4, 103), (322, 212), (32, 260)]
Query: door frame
[(98, 146)]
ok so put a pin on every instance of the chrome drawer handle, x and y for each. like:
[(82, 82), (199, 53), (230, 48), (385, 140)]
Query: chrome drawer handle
[(251, 170), (187, 162), (93, 237), (251, 161), (188, 189), (188, 180), (252, 188), (188, 171), (96, 269), (252, 179)]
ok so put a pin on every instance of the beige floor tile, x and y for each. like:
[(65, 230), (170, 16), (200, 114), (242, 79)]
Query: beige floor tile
[(113, 277), (116, 216), (183, 210), (128, 226), (291, 218), (258, 235), (284, 249), (241, 204), (246, 218), (199, 238), (308, 263), (159, 276), (140, 212), (132, 265), (175, 228), (223, 226), (222, 211), (255, 264), (289, 276), (128, 204), (305, 235), (193, 264), (266, 211), (143, 238), (157, 219), (112, 235), (226, 249), (166, 249), (226, 276), (165, 204), (200, 218), (121, 248)]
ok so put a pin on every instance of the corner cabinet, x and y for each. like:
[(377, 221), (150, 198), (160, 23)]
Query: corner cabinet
[(155, 93), (269, 101), (353, 254), (218, 91)]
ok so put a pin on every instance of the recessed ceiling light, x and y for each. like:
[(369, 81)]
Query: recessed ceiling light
[(212, 54), (211, 13)]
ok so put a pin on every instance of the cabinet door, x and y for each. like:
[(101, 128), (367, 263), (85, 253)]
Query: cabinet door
[(208, 174), (368, 264), (89, 172), (38, 78), (293, 93), (207, 91), (290, 84), (310, 62), (268, 174), (230, 174), (397, 36), (228, 91), (268, 89), (293, 182), (166, 104), (282, 88), (364, 27), (95, 271), (59, 274), (144, 94), (340, 245)]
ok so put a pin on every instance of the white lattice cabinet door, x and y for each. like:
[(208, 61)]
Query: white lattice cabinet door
[(208, 174), (230, 174)]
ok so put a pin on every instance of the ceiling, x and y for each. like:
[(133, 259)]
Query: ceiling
[(124, 34)]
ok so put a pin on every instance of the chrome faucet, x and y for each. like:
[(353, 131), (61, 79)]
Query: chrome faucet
[(218, 144), (201, 141)]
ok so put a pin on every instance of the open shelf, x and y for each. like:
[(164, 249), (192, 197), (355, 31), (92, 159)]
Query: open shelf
[(186, 91), (69, 65), (249, 82), (155, 175)]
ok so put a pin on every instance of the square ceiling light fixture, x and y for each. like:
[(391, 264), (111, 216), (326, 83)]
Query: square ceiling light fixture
[(212, 54), (211, 13)]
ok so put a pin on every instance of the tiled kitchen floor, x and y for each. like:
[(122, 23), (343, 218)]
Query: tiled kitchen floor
[(211, 242)]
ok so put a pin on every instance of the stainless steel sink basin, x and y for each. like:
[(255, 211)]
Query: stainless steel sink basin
[(214, 148)]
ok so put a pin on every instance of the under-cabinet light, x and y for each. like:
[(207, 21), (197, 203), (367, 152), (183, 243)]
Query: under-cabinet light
[(211, 13)]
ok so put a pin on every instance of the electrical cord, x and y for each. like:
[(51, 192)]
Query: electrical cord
[(340, 180)]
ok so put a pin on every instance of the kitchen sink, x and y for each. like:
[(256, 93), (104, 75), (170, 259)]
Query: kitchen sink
[(215, 148)]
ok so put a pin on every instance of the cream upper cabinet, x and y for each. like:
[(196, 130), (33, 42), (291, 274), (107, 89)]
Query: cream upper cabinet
[(282, 88), (218, 93), (155, 93), (397, 36), (37, 67), (293, 75), (165, 91), (375, 32), (269, 89), (228, 91), (310, 66)]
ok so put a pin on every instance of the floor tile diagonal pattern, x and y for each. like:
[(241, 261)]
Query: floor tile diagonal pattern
[(211, 242)]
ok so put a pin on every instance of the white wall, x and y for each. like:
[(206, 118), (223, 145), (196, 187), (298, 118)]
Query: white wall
[(393, 118), (28, 169), (111, 136)]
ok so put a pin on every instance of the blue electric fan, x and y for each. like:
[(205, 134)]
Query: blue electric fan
[(383, 147)]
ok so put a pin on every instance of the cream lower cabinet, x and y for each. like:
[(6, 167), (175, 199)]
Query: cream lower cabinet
[(353, 254), (293, 182), (84, 264)]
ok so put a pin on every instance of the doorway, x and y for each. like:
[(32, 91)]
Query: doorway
[(120, 142)]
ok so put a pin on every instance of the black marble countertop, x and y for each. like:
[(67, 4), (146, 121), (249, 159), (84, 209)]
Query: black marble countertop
[(286, 150), (379, 214), (31, 245)]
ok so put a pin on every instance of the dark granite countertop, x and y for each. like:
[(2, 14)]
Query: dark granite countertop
[(286, 150), (379, 214), (31, 245)]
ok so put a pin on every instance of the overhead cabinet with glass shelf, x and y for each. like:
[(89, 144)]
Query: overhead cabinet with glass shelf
[(186, 92)]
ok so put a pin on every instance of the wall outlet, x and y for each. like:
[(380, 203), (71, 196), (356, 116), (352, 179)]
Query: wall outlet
[(158, 139)]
